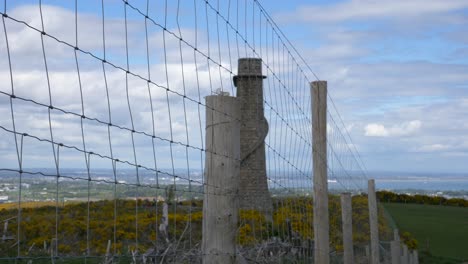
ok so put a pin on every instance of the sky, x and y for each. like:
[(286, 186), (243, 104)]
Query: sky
[(397, 72)]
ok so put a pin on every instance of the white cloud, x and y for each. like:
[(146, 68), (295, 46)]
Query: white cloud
[(368, 9), (376, 130), (404, 129), (433, 148)]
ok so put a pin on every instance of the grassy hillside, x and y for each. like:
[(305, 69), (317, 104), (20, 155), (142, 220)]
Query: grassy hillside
[(442, 230)]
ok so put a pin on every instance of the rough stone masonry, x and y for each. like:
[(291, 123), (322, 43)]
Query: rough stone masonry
[(253, 186)]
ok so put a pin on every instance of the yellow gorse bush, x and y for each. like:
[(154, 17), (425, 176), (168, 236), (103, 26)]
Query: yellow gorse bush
[(292, 218)]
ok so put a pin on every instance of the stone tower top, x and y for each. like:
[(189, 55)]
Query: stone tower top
[(249, 67)]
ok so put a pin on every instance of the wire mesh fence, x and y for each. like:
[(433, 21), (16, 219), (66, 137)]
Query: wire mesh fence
[(103, 133)]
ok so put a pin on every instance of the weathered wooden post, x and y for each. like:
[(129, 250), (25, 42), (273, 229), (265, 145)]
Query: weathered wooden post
[(368, 254), (373, 223), (5, 230), (347, 218), (222, 169), (108, 256), (254, 129), (415, 257), (319, 150), (404, 257), (395, 247)]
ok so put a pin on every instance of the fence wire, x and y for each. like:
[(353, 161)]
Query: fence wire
[(103, 123)]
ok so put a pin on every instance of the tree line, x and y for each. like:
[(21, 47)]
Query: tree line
[(391, 197)]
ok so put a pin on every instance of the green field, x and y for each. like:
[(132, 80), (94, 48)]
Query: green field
[(442, 230)]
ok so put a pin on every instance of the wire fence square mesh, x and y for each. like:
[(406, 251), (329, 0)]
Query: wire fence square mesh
[(103, 131)]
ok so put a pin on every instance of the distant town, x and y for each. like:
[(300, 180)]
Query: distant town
[(74, 186)]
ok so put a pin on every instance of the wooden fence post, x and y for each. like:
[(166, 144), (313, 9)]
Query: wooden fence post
[(347, 218), (319, 150), (222, 170), (373, 223)]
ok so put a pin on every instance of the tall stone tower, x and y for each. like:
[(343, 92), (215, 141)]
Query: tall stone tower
[(254, 129)]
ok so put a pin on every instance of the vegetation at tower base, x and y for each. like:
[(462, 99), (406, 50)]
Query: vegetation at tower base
[(138, 220)]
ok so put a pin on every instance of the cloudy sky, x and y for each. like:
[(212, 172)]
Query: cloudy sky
[(397, 71)]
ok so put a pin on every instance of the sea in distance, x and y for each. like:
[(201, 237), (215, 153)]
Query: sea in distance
[(446, 184)]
